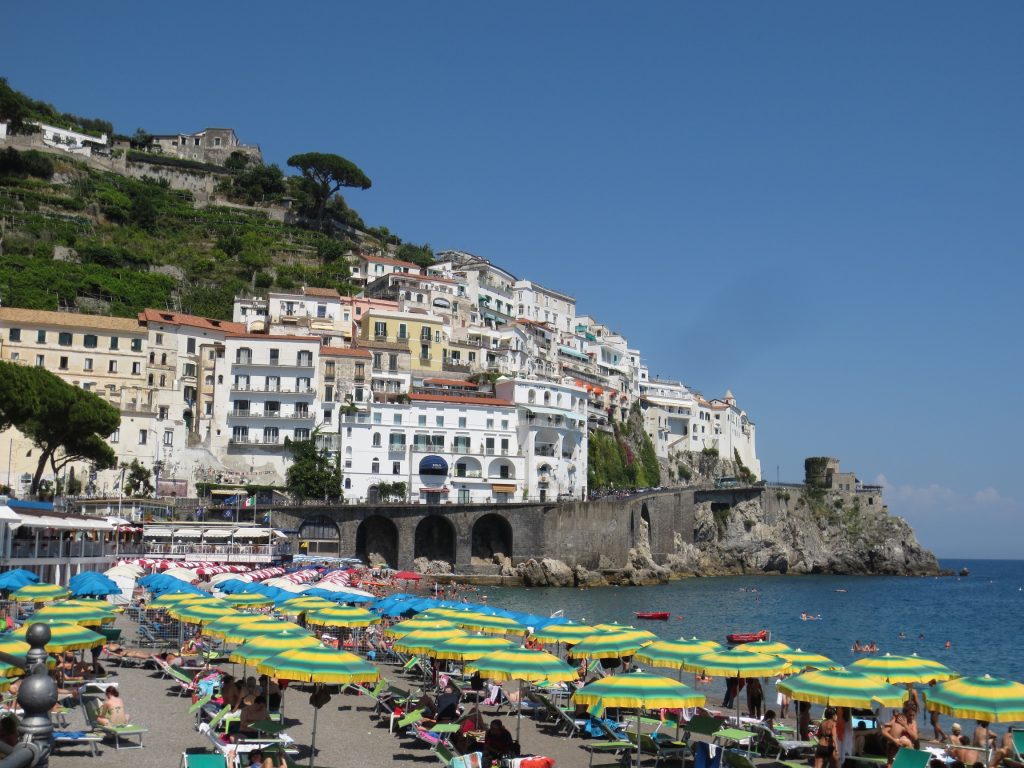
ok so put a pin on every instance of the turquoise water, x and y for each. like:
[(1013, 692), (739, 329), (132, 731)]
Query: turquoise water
[(980, 614)]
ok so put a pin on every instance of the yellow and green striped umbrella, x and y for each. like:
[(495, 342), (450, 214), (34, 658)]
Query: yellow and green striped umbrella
[(99, 604), (342, 616), (495, 625), (806, 660), (218, 627), (14, 647), (903, 669), (74, 614), (64, 636), (39, 593), (249, 630), (770, 647), (248, 600), (426, 640), (169, 599), (672, 653), (420, 622), (607, 645), (639, 689), (470, 647), (319, 664), (983, 698), (302, 604), (200, 613), (564, 633), (613, 626), (257, 649), (734, 663), (841, 688), (519, 663)]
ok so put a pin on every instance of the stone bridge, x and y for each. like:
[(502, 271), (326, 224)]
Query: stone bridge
[(594, 534)]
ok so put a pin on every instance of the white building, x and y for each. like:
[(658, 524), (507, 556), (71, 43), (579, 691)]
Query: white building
[(543, 305), (668, 408)]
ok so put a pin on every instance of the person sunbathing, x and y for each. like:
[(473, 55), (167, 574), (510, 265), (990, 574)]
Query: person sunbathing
[(112, 711), (256, 759)]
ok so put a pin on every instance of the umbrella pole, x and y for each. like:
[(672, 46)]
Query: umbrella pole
[(519, 711), (636, 756), (312, 743)]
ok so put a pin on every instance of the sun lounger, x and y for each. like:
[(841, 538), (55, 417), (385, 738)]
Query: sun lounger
[(612, 753), (563, 719), (244, 746), (702, 725), (661, 750), (770, 745), (204, 760), (123, 735), (196, 708), (76, 738), (911, 758)]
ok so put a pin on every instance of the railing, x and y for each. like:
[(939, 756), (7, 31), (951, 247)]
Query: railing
[(469, 473), (274, 390), (189, 549), (26, 549), (544, 450), (454, 367)]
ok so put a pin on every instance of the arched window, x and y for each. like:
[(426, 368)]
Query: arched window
[(531, 396), (547, 398), (558, 398), (163, 380), (376, 439), (375, 466), (348, 483), (163, 359)]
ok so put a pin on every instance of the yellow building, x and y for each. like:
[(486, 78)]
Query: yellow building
[(423, 335)]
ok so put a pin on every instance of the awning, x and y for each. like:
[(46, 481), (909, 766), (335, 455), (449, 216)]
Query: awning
[(6, 513), (42, 521), (158, 531), (252, 532), (441, 489), (503, 488), (433, 465), (217, 533), (188, 533), (540, 409), (573, 353)]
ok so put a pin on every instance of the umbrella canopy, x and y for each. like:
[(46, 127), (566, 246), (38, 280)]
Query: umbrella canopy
[(983, 698), (804, 659), (342, 595), (470, 647), (841, 688), (734, 663), (420, 622), (639, 689), (248, 600), (672, 653), (609, 645), (17, 578), (257, 649), (903, 669), (39, 593), (426, 640), (319, 664), (170, 599), (182, 574), (74, 614), (65, 637), (304, 603), (15, 647), (771, 647), (217, 627), (564, 633), (197, 613), (495, 625), (94, 589), (249, 630), (523, 664), (342, 616)]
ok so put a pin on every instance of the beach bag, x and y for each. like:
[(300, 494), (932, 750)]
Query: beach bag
[(472, 760)]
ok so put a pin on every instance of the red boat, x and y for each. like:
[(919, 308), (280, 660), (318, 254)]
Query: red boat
[(747, 637), (655, 615)]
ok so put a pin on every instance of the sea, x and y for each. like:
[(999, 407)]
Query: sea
[(981, 615)]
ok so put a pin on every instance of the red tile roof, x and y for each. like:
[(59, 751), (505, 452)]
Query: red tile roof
[(416, 396), (393, 262), (450, 382), (344, 352), (271, 337), (177, 318), (328, 293)]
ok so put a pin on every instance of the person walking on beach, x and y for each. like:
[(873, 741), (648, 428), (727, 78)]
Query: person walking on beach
[(755, 698), (934, 717), (781, 699), (826, 751)]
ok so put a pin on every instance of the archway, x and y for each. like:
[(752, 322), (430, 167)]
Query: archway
[(321, 536), (492, 535), (373, 495), (377, 536), (645, 523), (435, 539)]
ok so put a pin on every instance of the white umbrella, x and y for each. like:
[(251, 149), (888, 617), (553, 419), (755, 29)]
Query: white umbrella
[(185, 574), (217, 578)]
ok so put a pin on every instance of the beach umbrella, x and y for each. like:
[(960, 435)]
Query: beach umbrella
[(39, 593), (672, 653), (342, 616), (564, 633), (321, 665), (231, 585), (608, 645), (495, 625), (17, 578), (425, 640), (248, 600), (344, 595), (64, 636), (74, 614), (256, 649), (640, 690), (304, 603), (734, 663), (983, 698), (182, 574), (470, 647), (170, 599), (231, 621), (771, 647), (524, 665), (418, 622), (197, 613), (94, 589), (14, 647), (804, 659), (903, 669), (249, 630), (841, 688)]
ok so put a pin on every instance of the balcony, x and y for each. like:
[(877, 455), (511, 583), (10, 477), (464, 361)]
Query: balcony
[(303, 364), (278, 390), (455, 366), (473, 473), (425, 358), (544, 450)]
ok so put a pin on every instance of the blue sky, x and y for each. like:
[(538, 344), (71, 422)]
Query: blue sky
[(816, 205)]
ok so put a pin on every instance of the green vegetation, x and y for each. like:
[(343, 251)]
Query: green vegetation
[(721, 512), (396, 491), (20, 110), (31, 163), (136, 480), (65, 423), (623, 460), (743, 472), (312, 475), (325, 174), (814, 471)]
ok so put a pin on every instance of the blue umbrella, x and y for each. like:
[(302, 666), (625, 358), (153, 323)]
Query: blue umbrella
[(231, 586), (94, 590), (91, 577), (16, 579), (338, 597)]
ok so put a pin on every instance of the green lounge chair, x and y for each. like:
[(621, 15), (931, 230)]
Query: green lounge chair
[(196, 708), (661, 750), (615, 753), (702, 725), (911, 758), (204, 760), (123, 735)]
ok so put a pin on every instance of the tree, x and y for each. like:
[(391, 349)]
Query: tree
[(136, 479), (312, 474), (68, 424), (18, 399), (326, 174)]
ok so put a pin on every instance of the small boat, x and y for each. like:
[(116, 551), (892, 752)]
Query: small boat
[(747, 637), (653, 615), (965, 572)]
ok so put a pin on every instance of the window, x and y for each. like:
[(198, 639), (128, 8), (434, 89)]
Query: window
[(40, 361), (378, 360), (190, 346), (162, 412), (380, 330), (216, 141), (329, 370), (504, 423), (376, 439), (159, 339), (328, 393), (168, 437), (243, 356), (348, 480), (490, 423), (64, 339), (142, 436), (531, 396), (397, 418), (90, 341), (14, 334), (403, 331), (321, 310), (88, 364), (271, 435), (422, 420), (302, 433), (375, 466), (424, 351), (305, 359), (396, 441), (392, 362), (63, 363), (396, 467), (463, 496), (40, 337), (504, 448), (240, 435), (303, 384), (328, 417), (273, 383), (114, 436), (163, 379), (377, 418), (136, 345), (460, 444), (189, 369), (462, 422), (439, 421), (114, 342)]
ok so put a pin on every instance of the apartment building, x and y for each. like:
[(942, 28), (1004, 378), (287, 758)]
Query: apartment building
[(544, 305), (368, 267), (424, 336)]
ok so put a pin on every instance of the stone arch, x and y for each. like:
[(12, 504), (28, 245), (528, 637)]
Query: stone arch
[(645, 523), (377, 535), (321, 535), (492, 535), (435, 539), (468, 466), (502, 468)]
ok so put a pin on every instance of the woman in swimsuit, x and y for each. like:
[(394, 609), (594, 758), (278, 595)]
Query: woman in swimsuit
[(112, 711), (826, 751)]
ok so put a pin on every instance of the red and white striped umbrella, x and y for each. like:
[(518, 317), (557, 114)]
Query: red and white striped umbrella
[(266, 573)]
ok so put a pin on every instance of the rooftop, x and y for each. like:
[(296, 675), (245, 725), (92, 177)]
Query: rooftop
[(74, 320), (194, 321)]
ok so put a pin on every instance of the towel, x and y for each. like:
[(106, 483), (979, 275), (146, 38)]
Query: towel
[(69, 734), (706, 756)]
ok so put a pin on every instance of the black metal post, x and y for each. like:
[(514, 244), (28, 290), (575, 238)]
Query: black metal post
[(37, 695)]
